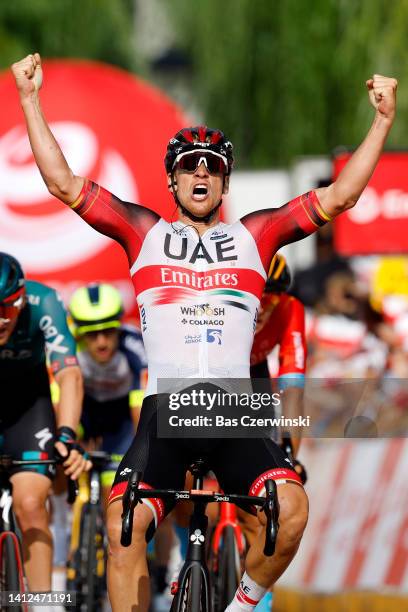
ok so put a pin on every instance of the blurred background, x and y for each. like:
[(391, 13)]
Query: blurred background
[(286, 82)]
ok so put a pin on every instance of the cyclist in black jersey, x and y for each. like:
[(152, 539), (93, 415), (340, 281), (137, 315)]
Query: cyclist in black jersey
[(33, 328)]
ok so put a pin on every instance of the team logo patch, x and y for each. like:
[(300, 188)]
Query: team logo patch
[(43, 436), (68, 361), (214, 335), (192, 339)]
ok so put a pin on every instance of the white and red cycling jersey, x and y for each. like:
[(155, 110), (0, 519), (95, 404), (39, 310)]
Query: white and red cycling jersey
[(198, 296), (343, 348)]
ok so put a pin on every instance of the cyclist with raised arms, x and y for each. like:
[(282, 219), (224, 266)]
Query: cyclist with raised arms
[(33, 325), (199, 260), (112, 360)]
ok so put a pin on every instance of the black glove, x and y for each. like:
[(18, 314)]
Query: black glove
[(287, 448), (67, 436), (300, 470)]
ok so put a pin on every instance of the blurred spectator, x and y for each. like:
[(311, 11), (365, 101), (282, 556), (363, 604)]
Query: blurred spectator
[(342, 333), (308, 285)]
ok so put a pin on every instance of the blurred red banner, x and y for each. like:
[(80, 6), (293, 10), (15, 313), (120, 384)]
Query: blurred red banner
[(357, 534), (379, 221), (113, 128)]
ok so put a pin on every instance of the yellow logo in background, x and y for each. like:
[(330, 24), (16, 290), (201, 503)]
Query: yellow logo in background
[(390, 278)]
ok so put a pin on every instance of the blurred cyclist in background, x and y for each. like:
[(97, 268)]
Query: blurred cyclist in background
[(33, 327), (280, 325), (112, 360), (113, 364)]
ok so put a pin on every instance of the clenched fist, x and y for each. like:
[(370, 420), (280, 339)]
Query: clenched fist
[(382, 92), (28, 74)]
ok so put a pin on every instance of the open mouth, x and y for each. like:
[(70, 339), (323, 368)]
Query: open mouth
[(200, 192)]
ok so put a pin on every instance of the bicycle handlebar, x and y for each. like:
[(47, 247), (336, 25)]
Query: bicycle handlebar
[(269, 504), (6, 462)]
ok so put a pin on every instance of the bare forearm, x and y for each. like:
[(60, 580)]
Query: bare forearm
[(71, 396), (50, 160), (352, 180)]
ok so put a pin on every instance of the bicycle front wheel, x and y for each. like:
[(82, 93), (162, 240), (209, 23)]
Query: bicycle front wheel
[(11, 568), (86, 569), (227, 570), (192, 597)]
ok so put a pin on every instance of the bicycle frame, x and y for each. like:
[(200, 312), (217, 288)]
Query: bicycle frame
[(7, 521), (195, 563), (80, 574), (8, 528), (8, 525), (88, 492), (228, 517), (195, 557)]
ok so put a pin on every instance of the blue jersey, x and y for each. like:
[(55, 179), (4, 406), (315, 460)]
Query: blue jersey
[(122, 374)]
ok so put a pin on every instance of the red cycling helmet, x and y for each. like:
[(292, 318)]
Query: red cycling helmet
[(198, 138)]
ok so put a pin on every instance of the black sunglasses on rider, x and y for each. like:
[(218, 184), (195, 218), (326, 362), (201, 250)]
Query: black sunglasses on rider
[(190, 161)]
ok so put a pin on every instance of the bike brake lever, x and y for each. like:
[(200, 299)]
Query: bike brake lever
[(129, 502), (72, 485), (126, 535), (73, 490), (271, 509)]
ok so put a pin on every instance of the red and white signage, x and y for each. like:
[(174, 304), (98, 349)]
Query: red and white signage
[(113, 128), (357, 535), (379, 221)]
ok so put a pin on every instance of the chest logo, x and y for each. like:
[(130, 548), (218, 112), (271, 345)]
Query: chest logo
[(179, 251)]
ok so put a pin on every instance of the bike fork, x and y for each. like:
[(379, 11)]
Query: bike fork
[(195, 567)]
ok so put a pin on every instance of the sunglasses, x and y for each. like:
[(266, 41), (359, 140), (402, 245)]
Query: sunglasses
[(10, 309), (190, 161), (109, 331)]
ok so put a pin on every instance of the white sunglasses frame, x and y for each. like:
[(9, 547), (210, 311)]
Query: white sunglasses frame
[(206, 151)]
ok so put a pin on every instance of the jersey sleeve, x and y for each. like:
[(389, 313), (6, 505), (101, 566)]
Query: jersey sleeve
[(274, 227), (292, 345), (60, 346), (125, 222)]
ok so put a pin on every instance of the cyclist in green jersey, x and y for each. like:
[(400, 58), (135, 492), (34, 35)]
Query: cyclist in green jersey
[(33, 327)]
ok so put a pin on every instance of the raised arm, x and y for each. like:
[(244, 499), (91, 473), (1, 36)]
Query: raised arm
[(352, 180), (125, 222), (272, 228), (57, 175)]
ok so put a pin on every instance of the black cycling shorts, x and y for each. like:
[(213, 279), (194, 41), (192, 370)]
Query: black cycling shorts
[(101, 418), (240, 465), (28, 432)]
